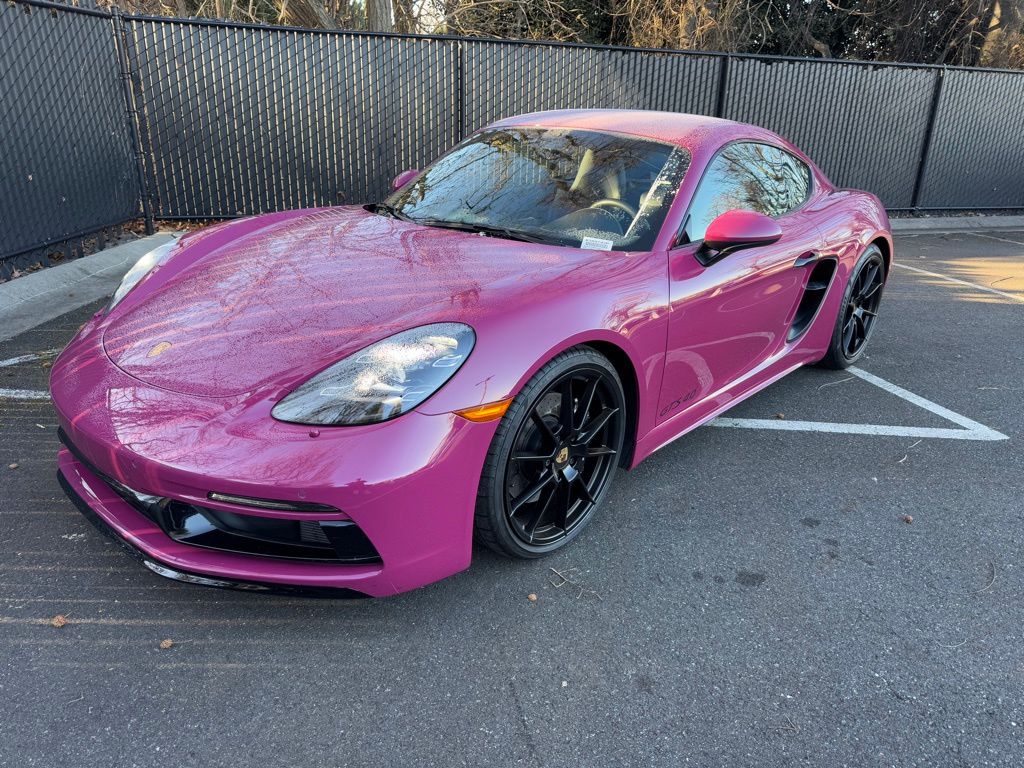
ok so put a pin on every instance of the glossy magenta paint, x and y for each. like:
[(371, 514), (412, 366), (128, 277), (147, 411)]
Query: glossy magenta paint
[(245, 311), (737, 229), (404, 178)]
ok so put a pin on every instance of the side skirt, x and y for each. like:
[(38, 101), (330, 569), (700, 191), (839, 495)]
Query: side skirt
[(771, 370)]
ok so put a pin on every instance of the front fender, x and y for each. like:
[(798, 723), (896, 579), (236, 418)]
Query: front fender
[(621, 300)]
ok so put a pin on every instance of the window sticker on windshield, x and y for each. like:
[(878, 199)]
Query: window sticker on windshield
[(596, 243)]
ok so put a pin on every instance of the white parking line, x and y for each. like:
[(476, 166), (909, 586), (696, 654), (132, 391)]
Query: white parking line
[(26, 394), (958, 281), (28, 358), (971, 430), (993, 237), (858, 429), (23, 394)]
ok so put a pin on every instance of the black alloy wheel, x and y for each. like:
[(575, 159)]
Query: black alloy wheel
[(558, 448), (862, 309), (859, 312)]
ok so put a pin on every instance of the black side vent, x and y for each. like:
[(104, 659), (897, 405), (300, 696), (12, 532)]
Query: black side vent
[(814, 294)]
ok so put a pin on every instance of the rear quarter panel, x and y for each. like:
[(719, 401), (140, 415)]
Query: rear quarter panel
[(849, 221)]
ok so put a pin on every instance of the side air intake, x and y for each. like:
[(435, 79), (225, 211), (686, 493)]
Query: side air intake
[(814, 294)]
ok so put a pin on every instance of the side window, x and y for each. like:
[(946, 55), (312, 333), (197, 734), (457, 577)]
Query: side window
[(748, 176)]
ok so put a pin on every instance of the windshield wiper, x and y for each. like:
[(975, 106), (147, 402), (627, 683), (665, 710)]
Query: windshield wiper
[(390, 210), (484, 229)]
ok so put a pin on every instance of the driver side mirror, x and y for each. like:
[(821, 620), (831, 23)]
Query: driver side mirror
[(403, 178), (734, 230)]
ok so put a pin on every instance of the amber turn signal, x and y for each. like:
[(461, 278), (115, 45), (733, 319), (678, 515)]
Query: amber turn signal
[(486, 412)]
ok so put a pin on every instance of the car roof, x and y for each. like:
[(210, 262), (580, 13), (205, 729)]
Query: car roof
[(691, 131)]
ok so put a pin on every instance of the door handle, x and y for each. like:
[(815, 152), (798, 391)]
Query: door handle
[(807, 258)]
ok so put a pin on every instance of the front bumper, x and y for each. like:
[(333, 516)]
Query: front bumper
[(409, 485), (186, 576)]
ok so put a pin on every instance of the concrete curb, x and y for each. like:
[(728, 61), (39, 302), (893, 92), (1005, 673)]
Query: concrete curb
[(28, 301), (935, 224)]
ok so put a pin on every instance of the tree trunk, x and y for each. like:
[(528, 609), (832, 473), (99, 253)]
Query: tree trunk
[(305, 13), (980, 33), (378, 15)]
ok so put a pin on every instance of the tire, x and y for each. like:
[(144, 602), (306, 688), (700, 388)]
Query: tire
[(858, 314), (521, 514)]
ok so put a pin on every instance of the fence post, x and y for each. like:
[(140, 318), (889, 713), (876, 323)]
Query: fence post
[(926, 146), (132, 114), (460, 73), (723, 77)]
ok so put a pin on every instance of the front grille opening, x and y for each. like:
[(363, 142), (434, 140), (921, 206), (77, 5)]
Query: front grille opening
[(310, 531), (328, 540)]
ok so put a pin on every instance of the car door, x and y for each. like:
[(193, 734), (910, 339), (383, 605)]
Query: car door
[(728, 317)]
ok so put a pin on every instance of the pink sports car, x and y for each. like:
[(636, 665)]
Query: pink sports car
[(343, 399)]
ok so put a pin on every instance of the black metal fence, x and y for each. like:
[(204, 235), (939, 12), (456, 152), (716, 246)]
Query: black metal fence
[(106, 117), (68, 166)]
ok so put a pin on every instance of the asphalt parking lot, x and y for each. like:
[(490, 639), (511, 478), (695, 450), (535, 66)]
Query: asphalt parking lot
[(750, 596)]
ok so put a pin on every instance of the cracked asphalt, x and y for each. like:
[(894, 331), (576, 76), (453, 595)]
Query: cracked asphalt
[(747, 597)]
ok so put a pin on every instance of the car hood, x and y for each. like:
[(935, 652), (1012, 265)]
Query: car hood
[(268, 301)]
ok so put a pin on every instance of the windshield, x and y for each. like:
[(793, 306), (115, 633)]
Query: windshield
[(564, 187)]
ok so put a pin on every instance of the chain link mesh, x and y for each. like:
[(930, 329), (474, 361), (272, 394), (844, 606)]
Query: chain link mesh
[(977, 149), (244, 120), (68, 165)]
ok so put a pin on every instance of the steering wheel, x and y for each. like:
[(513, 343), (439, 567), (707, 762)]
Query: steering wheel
[(612, 203)]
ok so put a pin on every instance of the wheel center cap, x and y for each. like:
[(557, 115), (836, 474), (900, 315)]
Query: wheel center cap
[(562, 456)]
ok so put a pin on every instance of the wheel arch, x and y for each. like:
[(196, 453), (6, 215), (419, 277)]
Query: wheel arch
[(624, 367), (885, 246), (492, 523), (507, 359)]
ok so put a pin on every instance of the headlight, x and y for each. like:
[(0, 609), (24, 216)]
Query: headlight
[(383, 380), (142, 267)]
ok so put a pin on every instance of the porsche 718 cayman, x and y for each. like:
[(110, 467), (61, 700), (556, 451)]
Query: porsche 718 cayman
[(344, 398)]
